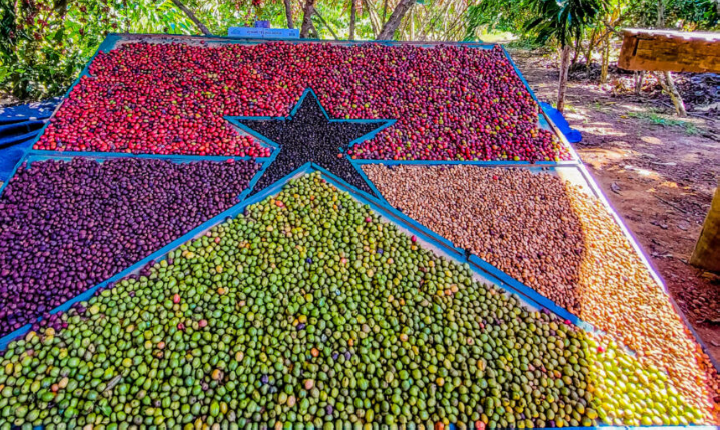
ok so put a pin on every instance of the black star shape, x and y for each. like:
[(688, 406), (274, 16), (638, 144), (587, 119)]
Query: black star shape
[(309, 135)]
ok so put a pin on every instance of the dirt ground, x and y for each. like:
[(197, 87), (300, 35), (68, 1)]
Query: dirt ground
[(659, 172)]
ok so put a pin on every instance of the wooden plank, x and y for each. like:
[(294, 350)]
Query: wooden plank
[(652, 50)]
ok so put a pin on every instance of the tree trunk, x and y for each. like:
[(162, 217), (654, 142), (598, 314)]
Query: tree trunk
[(660, 23), (668, 84), (307, 21), (576, 51), (605, 61), (562, 85), (588, 53), (288, 14), (412, 24), (384, 20), (313, 33), (639, 78), (352, 19), (192, 17), (374, 19), (388, 31), (707, 250)]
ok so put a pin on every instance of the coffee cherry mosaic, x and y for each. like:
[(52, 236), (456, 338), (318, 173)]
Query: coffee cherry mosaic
[(450, 102), (68, 225), (309, 310)]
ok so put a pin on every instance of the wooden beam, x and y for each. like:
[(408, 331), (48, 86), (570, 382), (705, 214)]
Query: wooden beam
[(670, 51)]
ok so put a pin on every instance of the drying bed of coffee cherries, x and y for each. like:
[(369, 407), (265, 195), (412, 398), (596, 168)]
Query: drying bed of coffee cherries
[(552, 236), (450, 102), (66, 226), (309, 310)]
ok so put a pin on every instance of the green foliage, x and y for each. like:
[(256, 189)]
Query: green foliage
[(42, 44), (498, 15), (686, 14), (45, 43), (562, 20), (536, 21)]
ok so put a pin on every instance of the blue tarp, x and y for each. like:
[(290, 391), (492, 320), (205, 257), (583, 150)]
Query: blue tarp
[(19, 125), (38, 110), (572, 135), (10, 156)]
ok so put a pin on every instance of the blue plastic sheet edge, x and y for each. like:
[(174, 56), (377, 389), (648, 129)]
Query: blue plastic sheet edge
[(377, 205), (13, 140)]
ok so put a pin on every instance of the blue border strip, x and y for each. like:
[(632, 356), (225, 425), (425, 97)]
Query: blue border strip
[(526, 291), (248, 40), (180, 158), (522, 78), (364, 198)]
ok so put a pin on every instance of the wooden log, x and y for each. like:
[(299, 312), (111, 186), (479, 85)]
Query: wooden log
[(670, 51), (707, 249)]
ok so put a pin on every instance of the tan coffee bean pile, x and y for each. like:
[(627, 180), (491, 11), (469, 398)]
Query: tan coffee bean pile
[(519, 222), (555, 238), (620, 297)]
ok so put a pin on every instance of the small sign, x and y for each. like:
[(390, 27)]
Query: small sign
[(262, 24), (264, 33)]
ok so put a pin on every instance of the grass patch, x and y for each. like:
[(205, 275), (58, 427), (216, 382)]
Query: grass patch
[(658, 119)]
